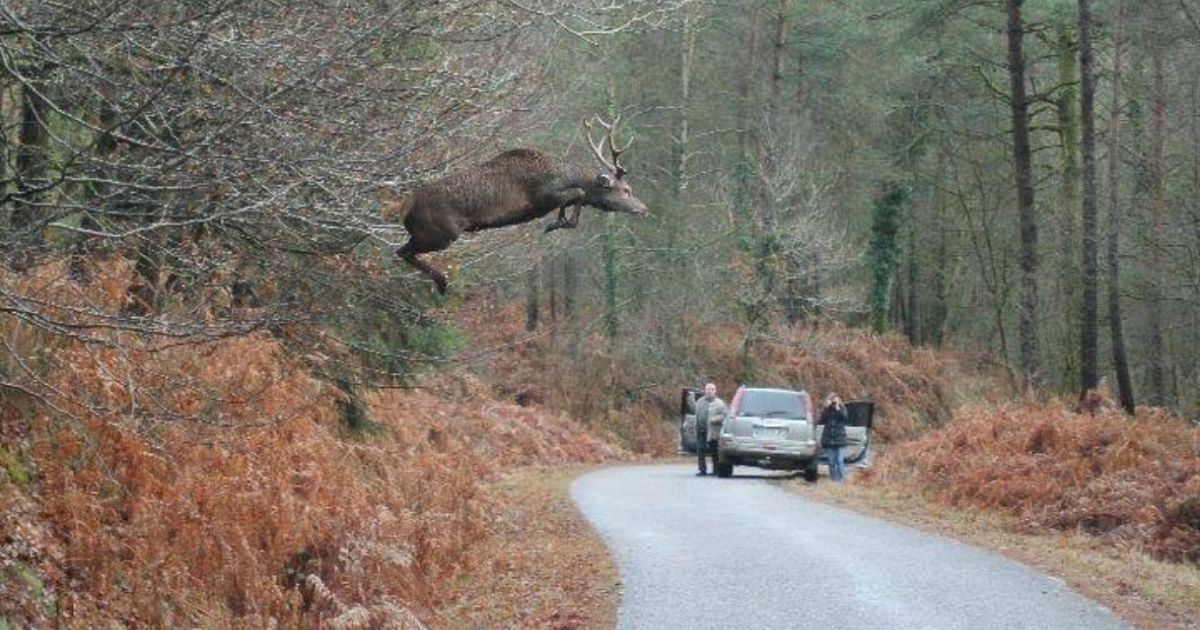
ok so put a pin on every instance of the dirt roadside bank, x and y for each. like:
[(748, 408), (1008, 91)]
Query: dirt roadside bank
[(543, 567)]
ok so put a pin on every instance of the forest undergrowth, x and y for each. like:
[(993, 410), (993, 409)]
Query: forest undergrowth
[(219, 485), (1131, 482)]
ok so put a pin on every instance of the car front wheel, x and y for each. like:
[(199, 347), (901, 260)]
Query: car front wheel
[(810, 471), (724, 469)]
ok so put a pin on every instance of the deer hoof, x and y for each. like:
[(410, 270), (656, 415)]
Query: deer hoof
[(553, 226)]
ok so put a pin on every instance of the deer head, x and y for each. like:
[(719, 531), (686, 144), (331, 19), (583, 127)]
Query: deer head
[(610, 191)]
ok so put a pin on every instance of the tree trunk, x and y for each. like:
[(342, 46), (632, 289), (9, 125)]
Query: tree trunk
[(687, 55), (912, 328), (777, 46), (31, 152), (1195, 137), (799, 96), (1113, 253), (548, 263), (1067, 279), (792, 287), (1194, 215), (1156, 346), (533, 282), (611, 271), (10, 112), (570, 283), (570, 297), (1022, 163), (939, 309), (1089, 333), (1068, 128), (745, 167), (745, 109)]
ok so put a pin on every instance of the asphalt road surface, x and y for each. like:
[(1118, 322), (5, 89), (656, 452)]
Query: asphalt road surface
[(702, 552)]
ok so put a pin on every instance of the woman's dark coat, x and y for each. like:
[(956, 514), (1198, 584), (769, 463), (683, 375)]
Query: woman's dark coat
[(835, 420)]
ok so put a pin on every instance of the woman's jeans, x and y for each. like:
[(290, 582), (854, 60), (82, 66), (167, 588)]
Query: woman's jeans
[(837, 465)]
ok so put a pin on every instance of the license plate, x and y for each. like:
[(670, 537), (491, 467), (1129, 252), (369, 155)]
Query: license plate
[(770, 433)]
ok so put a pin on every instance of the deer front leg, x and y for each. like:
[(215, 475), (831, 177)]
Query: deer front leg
[(559, 222), (563, 199), (562, 221)]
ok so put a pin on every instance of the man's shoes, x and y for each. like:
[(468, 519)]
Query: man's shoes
[(701, 474)]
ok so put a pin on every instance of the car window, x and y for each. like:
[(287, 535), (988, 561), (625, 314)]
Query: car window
[(774, 404)]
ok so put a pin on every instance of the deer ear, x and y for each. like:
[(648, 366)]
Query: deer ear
[(605, 180)]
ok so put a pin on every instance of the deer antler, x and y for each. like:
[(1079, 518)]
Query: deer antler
[(597, 148)]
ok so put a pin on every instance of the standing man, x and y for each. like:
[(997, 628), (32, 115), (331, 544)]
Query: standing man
[(710, 415), (833, 437)]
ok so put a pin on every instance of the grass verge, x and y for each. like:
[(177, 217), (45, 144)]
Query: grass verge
[(1146, 592), (542, 567)]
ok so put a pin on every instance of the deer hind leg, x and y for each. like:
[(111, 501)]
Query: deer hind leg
[(408, 253)]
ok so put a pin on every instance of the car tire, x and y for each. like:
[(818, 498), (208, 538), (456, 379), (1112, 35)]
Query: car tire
[(724, 469), (810, 471)]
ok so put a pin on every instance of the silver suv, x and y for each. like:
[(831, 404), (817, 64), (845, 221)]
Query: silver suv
[(776, 429)]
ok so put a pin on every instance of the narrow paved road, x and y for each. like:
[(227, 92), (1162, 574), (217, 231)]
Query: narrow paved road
[(702, 552)]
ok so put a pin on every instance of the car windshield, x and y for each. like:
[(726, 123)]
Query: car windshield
[(768, 404)]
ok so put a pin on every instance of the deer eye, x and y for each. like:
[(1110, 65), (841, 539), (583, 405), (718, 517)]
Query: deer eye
[(605, 181)]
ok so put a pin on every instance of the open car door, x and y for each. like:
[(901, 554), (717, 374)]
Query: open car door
[(858, 429), (687, 418)]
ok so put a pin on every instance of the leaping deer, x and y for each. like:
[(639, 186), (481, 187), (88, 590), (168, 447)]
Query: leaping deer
[(514, 187)]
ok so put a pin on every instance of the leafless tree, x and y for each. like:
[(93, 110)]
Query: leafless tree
[(236, 153)]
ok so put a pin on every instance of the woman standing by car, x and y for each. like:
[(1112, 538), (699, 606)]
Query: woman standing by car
[(833, 438)]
